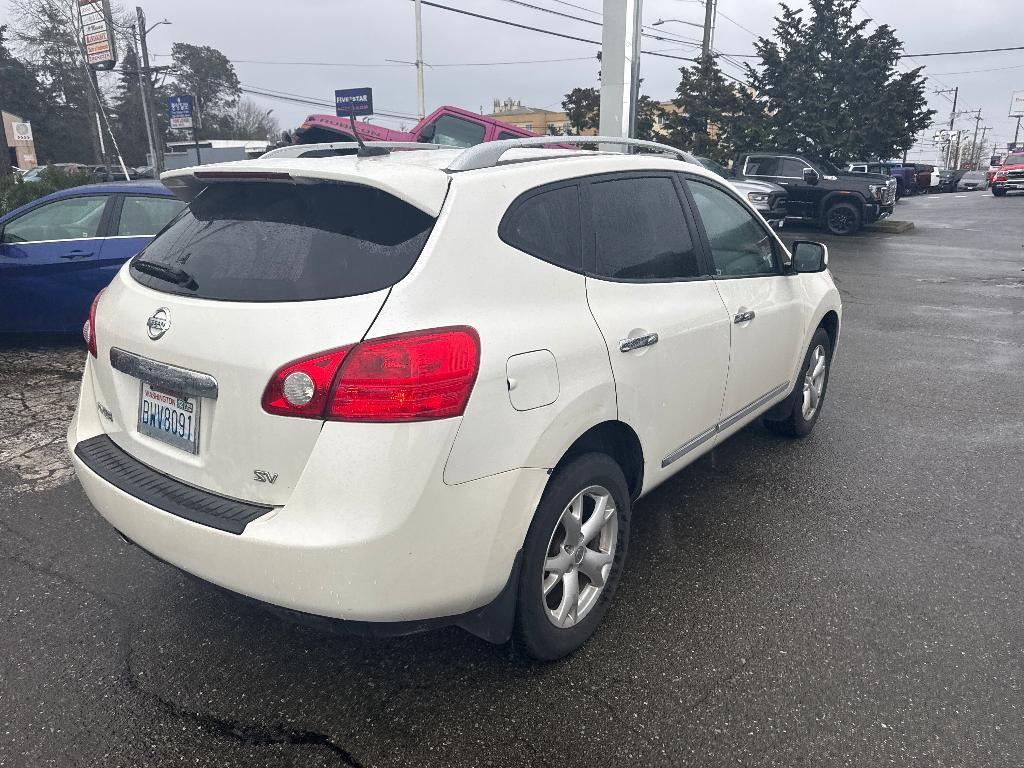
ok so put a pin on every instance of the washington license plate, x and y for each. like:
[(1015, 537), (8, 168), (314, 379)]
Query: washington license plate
[(169, 417)]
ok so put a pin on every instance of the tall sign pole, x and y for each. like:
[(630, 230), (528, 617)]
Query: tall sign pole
[(620, 68), (144, 94)]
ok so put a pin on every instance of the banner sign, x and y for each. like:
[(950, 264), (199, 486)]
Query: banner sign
[(179, 109), (1017, 104), (98, 33), (354, 102)]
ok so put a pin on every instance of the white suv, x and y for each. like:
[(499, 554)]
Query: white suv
[(427, 387)]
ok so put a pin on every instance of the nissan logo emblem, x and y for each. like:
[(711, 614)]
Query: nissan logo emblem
[(158, 323)]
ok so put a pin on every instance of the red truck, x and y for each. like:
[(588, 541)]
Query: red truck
[(450, 126), (1010, 175)]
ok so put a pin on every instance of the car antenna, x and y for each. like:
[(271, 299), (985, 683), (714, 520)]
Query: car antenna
[(365, 151)]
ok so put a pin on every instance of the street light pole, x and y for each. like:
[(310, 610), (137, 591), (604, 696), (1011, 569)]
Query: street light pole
[(419, 61)]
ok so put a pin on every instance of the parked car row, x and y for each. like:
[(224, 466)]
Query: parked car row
[(96, 172)]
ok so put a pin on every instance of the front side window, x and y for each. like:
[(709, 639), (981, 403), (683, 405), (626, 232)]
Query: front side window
[(73, 218), (740, 246), (145, 216), (453, 131), (791, 168), (640, 230), (761, 166), (547, 225)]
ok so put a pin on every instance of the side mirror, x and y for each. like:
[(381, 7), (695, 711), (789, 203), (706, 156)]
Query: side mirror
[(811, 176), (427, 133), (809, 256)]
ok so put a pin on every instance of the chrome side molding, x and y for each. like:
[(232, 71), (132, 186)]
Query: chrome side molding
[(723, 425), (181, 380)]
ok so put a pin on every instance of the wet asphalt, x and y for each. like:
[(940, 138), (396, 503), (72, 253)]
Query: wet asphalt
[(852, 599)]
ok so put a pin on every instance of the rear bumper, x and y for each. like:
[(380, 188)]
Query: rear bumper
[(371, 532)]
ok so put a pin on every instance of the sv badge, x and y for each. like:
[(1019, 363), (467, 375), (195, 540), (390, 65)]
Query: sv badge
[(261, 476)]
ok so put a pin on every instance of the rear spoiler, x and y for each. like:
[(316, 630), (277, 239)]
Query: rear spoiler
[(420, 187)]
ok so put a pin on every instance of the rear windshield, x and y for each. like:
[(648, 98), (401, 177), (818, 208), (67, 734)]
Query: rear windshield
[(267, 241)]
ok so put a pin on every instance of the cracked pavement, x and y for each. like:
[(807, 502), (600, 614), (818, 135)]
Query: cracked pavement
[(853, 599)]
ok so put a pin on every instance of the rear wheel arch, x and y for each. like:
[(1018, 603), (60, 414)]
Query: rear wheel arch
[(617, 440)]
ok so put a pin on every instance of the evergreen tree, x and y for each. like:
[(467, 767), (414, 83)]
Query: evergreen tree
[(712, 119), (64, 125), (127, 114), (20, 93), (834, 91), (209, 76)]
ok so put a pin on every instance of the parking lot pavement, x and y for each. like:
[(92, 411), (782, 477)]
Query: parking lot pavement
[(853, 599)]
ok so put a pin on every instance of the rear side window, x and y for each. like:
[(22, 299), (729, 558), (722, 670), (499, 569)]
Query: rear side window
[(264, 241), (546, 225), (142, 216), (640, 230)]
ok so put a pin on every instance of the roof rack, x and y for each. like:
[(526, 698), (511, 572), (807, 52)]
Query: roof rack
[(488, 154), (334, 147)]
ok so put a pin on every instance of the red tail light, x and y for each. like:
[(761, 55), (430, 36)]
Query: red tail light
[(89, 329), (301, 388), (410, 377), (1001, 177)]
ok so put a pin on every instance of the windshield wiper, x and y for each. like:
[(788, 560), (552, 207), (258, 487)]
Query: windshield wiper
[(174, 275)]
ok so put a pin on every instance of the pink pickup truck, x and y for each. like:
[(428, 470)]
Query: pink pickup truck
[(450, 126)]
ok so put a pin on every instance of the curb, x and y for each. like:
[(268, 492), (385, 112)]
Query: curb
[(890, 226)]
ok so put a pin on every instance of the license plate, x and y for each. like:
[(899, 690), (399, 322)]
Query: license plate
[(169, 417)]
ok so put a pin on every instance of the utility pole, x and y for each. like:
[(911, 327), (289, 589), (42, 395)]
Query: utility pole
[(1016, 133), (419, 61), (952, 119), (974, 141), (145, 98), (977, 165), (710, 9), (158, 158)]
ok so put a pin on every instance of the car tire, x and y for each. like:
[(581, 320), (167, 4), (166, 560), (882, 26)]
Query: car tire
[(843, 219), (998, 192), (549, 625), (809, 394)]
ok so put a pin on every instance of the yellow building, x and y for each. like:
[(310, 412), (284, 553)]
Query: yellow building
[(546, 121), (20, 148)]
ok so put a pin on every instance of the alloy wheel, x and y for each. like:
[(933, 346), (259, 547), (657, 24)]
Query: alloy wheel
[(814, 383), (579, 556)]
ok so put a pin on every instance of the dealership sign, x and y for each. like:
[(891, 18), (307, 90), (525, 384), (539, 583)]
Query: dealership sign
[(353, 101), (179, 109), (1017, 104), (22, 131), (97, 33)]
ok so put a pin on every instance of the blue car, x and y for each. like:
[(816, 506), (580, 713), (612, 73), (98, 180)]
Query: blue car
[(56, 253)]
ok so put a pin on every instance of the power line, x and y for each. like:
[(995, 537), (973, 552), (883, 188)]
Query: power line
[(974, 71), (962, 53), (548, 31), (673, 36)]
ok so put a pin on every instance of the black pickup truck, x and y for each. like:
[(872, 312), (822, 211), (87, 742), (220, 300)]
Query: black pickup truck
[(817, 191)]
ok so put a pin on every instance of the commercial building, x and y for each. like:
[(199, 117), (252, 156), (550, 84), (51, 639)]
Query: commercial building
[(540, 120)]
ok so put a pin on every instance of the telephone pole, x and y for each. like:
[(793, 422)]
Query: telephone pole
[(419, 61), (145, 96), (952, 119), (150, 97), (710, 9), (974, 141), (977, 165)]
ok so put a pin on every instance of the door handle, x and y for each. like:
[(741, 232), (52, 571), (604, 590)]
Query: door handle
[(76, 254), (744, 317), (636, 342)]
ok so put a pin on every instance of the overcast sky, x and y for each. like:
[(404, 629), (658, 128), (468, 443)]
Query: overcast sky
[(347, 32)]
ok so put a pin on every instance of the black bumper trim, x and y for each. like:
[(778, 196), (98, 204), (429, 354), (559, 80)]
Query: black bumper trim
[(101, 455)]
